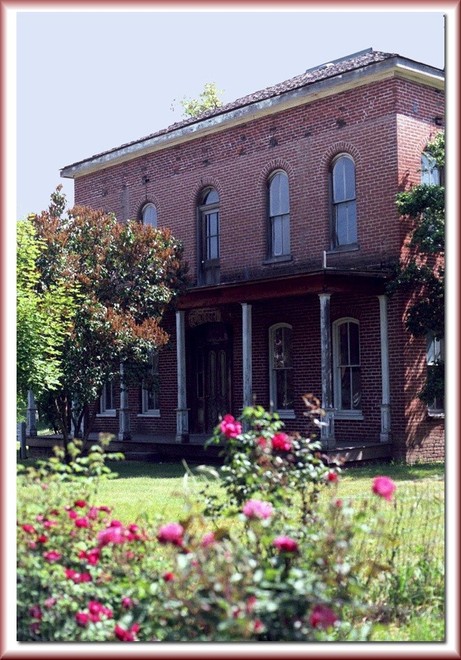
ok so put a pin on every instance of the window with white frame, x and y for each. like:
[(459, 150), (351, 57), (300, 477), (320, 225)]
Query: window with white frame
[(344, 230), (281, 369), (150, 389), (347, 386), (279, 215), (149, 215), (435, 360), (430, 172), (107, 400)]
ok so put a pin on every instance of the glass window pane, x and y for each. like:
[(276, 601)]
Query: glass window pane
[(356, 388), (277, 236), (211, 197), (279, 200), (284, 389), (286, 234), (430, 174), (345, 376), (343, 180), (149, 215), (354, 344)]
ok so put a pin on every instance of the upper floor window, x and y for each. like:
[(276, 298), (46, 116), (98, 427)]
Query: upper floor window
[(430, 172), (346, 366), (279, 215), (107, 399), (149, 215), (209, 237), (435, 360), (281, 369), (150, 388), (344, 228)]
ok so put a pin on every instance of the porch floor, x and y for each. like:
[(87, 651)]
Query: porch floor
[(161, 447)]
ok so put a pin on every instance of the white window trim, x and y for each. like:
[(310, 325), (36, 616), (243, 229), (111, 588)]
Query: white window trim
[(147, 412), (283, 413), (105, 412), (349, 414)]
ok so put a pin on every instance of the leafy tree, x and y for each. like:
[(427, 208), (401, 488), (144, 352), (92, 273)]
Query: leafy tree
[(44, 315), (126, 275), (423, 270), (207, 100)]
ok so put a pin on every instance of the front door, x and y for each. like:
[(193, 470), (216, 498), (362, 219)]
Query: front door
[(210, 376)]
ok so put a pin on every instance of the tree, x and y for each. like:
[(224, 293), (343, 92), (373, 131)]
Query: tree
[(207, 100), (423, 270), (44, 315), (125, 276)]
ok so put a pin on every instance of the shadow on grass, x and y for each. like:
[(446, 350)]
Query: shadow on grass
[(135, 469), (397, 471)]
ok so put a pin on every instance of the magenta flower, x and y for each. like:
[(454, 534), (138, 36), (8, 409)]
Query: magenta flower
[(230, 427), (110, 535), (384, 487), (322, 617), (51, 556), (35, 612), (285, 544), (80, 503), (171, 533), (126, 635), (127, 602), (82, 619), (258, 509), (281, 442), (29, 529), (82, 522)]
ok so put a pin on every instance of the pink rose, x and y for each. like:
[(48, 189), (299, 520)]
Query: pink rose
[(171, 533), (126, 635), (29, 529), (82, 522), (208, 539), (281, 442), (322, 617), (127, 602), (82, 619), (285, 544), (80, 503), (110, 535), (258, 509), (230, 427), (384, 487)]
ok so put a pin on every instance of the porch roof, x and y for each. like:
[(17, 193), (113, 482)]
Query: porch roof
[(315, 282)]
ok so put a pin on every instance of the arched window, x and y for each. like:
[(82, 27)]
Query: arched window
[(430, 173), (209, 237), (149, 215), (346, 366), (279, 215), (344, 230), (281, 369)]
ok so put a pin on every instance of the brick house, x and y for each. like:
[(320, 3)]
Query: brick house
[(285, 203)]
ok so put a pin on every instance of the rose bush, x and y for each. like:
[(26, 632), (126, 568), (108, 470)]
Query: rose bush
[(266, 563)]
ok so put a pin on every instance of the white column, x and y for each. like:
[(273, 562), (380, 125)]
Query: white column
[(247, 355), (327, 433), (31, 415), (385, 435), (182, 413), (124, 418)]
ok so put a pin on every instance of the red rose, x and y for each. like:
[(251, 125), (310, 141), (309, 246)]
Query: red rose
[(322, 617), (285, 544), (281, 442)]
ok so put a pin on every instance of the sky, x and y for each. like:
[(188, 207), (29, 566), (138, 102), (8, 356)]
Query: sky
[(87, 82)]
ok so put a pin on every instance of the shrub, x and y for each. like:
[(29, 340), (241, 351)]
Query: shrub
[(266, 564)]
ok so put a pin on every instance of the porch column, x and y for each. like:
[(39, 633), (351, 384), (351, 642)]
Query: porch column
[(182, 413), (385, 435), (247, 355), (327, 433), (31, 428), (124, 419)]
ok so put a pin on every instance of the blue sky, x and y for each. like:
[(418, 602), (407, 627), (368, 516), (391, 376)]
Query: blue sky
[(90, 81)]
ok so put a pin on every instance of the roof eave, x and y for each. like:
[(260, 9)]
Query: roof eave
[(394, 67)]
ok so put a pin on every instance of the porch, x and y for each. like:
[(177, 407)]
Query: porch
[(154, 448)]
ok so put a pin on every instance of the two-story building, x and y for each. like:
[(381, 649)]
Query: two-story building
[(285, 203)]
